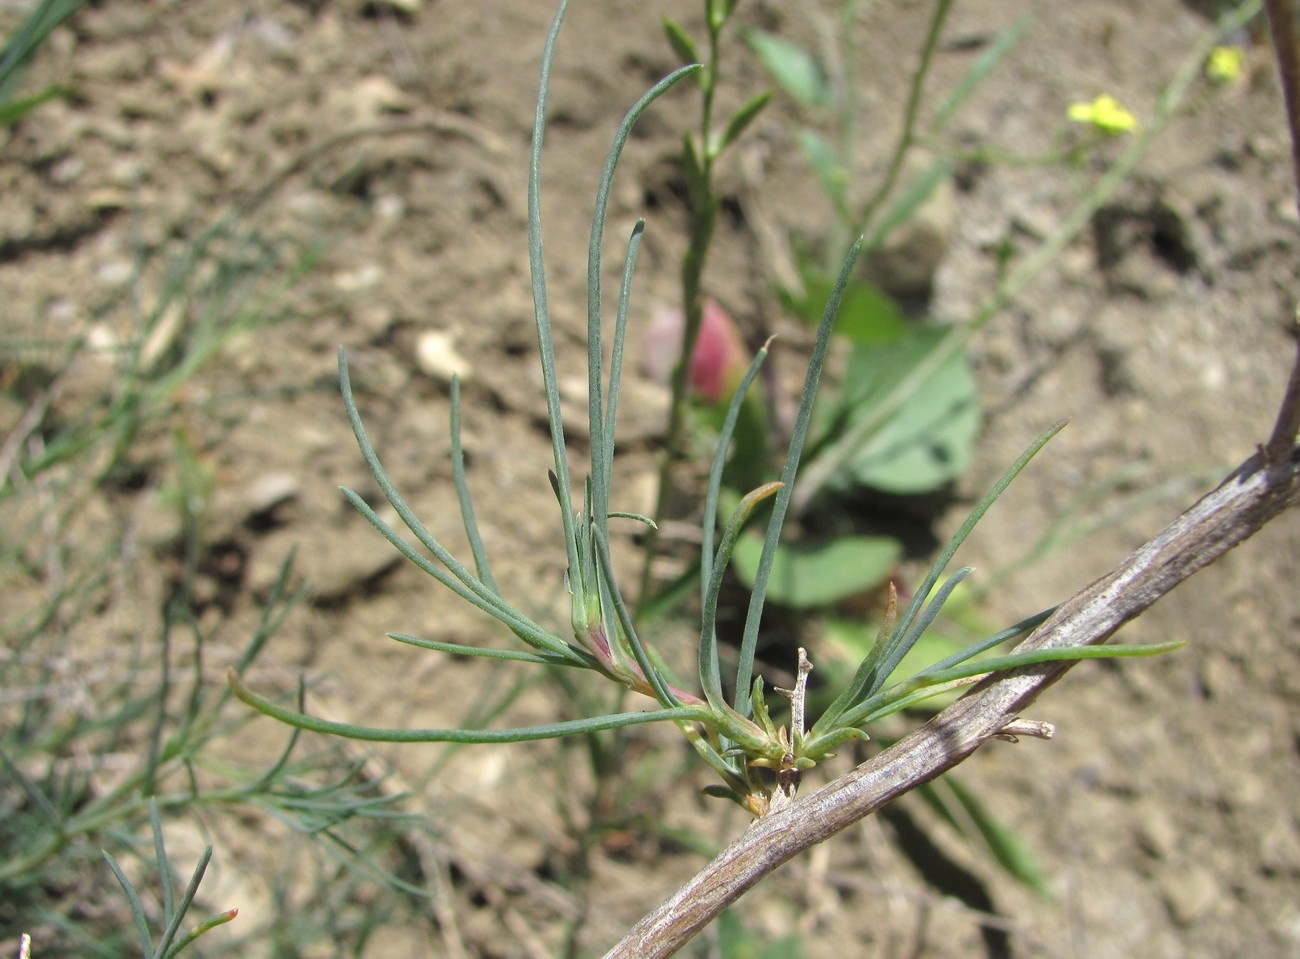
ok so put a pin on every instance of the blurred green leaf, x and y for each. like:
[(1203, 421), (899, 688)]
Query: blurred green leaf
[(830, 174), (1004, 842), (918, 191), (819, 573), (11, 113), (929, 441), (737, 942), (26, 40), (867, 316), (742, 119), (681, 43), (980, 69), (793, 69)]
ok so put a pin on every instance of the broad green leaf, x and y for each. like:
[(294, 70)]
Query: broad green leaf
[(795, 70), (810, 575), (929, 441), (867, 316)]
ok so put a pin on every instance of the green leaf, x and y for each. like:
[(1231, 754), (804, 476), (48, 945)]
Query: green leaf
[(826, 166), (912, 199), (798, 438), (697, 183), (374, 734), (867, 316), (11, 113), (1007, 846), (834, 714), (741, 120), (681, 43), (457, 649), (811, 575), (852, 639), (27, 39), (930, 439), (737, 942), (793, 69), (980, 69)]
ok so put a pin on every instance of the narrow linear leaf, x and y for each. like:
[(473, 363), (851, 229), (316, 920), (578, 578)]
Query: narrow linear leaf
[(133, 899), (541, 303), (576, 727), (481, 564), (662, 690), (851, 694), (616, 359), (187, 899), (494, 606), (904, 208), (741, 120), (601, 446), (638, 517), (710, 675), (933, 681), (164, 867), (1007, 846), (458, 649), (714, 489), (816, 363), (209, 924), (980, 69)]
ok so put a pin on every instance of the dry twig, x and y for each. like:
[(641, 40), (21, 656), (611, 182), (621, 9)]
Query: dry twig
[(1246, 501)]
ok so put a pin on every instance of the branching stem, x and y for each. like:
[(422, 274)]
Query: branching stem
[(1251, 496)]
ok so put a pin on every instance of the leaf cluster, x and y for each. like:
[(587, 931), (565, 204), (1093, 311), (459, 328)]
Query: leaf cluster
[(734, 733)]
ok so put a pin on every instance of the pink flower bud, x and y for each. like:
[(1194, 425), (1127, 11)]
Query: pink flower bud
[(718, 362)]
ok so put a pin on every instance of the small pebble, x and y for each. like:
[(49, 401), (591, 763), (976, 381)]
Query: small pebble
[(437, 357)]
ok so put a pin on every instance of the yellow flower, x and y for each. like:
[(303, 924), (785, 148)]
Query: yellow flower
[(1225, 64), (1104, 114)]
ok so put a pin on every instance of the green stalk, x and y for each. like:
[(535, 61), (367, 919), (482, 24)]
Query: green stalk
[(703, 213), (907, 136), (830, 461)]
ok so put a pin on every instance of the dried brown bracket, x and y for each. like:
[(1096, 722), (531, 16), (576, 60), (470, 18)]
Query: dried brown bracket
[(1261, 488)]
